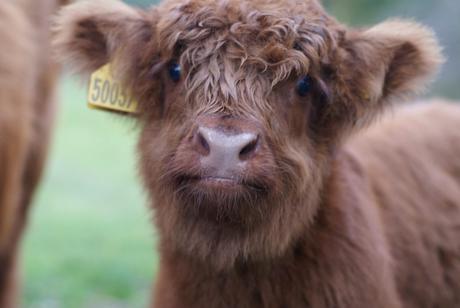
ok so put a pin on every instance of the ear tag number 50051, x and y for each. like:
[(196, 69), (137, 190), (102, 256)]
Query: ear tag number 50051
[(107, 94)]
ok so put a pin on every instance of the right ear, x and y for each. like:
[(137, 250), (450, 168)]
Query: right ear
[(91, 33)]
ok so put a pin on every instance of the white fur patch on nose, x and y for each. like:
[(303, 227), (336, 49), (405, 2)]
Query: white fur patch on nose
[(224, 150)]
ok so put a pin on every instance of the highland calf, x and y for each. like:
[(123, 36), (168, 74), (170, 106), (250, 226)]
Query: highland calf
[(27, 79), (270, 186)]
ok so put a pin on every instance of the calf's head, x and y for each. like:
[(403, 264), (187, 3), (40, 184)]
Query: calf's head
[(242, 105)]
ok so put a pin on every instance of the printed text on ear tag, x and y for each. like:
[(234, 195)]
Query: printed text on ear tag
[(106, 93)]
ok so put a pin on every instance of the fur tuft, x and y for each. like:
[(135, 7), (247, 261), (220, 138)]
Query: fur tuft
[(88, 32)]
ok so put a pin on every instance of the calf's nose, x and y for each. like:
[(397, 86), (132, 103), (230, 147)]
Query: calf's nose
[(224, 151)]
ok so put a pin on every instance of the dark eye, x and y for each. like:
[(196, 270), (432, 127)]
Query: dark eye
[(175, 71), (304, 86)]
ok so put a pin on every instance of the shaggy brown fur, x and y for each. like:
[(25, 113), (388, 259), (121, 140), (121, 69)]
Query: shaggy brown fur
[(27, 78), (321, 215)]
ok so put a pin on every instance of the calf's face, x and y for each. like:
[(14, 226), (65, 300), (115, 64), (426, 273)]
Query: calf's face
[(242, 106)]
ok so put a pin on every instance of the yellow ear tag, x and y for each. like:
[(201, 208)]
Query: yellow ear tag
[(106, 93)]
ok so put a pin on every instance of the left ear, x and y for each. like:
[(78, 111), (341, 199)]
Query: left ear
[(91, 33), (385, 63)]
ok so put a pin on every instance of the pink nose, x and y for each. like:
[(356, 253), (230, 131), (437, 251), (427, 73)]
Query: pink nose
[(225, 150)]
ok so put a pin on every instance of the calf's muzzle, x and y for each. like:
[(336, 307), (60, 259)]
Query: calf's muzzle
[(226, 145)]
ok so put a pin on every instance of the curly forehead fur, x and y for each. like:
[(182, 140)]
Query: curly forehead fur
[(235, 53), (239, 50)]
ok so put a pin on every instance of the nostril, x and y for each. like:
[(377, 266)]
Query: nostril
[(249, 149), (203, 143)]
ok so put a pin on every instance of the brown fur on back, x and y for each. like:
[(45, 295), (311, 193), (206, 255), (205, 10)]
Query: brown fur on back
[(412, 166), (27, 80)]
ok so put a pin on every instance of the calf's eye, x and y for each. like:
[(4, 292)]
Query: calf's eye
[(304, 86), (174, 71)]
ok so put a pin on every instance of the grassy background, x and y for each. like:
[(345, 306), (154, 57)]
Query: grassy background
[(90, 243)]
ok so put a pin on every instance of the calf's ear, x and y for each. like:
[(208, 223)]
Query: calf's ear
[(386, 63), (91, 33)]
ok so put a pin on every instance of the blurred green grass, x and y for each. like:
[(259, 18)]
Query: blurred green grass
[(89, 242)]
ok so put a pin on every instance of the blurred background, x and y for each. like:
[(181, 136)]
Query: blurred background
[(90, 242)]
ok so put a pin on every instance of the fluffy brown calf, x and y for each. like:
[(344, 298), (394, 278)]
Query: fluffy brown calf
[(27, 78), (265, 193)]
